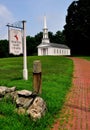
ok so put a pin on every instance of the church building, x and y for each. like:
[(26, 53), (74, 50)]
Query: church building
[(47, 48)]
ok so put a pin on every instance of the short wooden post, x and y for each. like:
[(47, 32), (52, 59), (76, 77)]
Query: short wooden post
[(37, 74)]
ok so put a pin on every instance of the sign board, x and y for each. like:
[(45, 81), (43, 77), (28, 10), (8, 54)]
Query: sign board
[(15, 42)]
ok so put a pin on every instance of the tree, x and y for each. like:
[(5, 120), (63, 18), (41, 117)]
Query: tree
[(4, 48), (77, 28), (31, 45), (38, 37), (59, 37)]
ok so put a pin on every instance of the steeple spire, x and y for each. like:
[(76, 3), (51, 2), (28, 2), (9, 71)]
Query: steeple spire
[(45, 24), (45, 38)]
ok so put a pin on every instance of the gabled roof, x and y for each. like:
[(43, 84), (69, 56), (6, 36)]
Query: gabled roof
[(53, 45)]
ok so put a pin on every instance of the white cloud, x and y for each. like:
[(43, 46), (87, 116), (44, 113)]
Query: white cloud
[(5, 17)]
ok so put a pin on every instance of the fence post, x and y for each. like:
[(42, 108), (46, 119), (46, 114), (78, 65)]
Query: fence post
[(37, 75)]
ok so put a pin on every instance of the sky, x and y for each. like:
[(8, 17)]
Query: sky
[(33, 12)]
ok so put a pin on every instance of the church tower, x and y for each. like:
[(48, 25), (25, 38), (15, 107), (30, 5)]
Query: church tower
[(45, 38)]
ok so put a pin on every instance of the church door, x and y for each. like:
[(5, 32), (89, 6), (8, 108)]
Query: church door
[(44, 51)]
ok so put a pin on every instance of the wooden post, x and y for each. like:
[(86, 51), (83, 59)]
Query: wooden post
[(37, 76)]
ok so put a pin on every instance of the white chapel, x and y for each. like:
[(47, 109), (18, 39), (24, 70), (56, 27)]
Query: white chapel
[(47, 48)]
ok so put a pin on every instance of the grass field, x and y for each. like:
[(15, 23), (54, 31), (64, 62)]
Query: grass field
[(56, 81), (86, 57)]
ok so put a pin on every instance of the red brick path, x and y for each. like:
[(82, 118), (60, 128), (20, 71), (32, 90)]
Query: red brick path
[(76, 111)]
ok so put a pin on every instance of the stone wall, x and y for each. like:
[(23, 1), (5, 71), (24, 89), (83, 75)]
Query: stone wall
[(26, 101)]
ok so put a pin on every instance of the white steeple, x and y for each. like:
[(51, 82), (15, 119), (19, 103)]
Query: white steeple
[(45, 24), (45, 38)]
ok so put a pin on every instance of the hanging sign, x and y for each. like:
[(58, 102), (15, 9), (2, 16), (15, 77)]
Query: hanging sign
[(15, 42)]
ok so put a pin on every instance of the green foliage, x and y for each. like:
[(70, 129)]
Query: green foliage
[(56, 81), (86, 57), (77, 28), (59, 38), (31, 45), (4, 48)]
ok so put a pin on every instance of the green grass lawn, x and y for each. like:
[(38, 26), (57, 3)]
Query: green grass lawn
[(86, 57), (56, 81)]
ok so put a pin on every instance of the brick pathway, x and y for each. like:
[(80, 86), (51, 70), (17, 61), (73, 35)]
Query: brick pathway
[(76, 111)]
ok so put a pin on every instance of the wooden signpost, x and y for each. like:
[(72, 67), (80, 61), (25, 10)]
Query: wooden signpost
[(37, 74)]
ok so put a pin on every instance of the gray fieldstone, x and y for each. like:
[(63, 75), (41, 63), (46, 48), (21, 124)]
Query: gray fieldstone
[(26, 101)]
